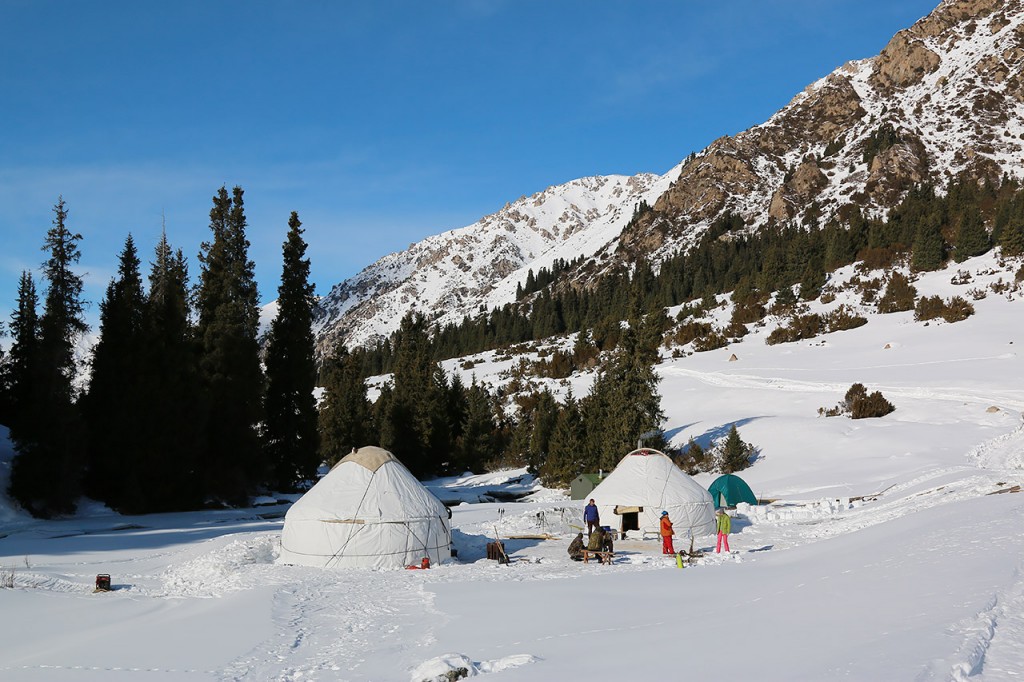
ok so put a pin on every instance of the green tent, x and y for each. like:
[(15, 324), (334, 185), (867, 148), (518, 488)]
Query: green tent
[(729, 490)]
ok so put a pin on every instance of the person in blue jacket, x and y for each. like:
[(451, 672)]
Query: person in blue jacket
[(591, 517)]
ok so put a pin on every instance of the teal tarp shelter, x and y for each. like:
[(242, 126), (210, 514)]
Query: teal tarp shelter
[(729, 490)]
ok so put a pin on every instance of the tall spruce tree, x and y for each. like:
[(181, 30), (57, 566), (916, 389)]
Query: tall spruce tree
[(1011, 229), (624, 404), (971, 238), (166, 474), (566, 456), (290, 431), (345, 419), (929, 249), (46, 475), (19, 370), (112, 406), (406, 427), (227, 303), (476, 444)]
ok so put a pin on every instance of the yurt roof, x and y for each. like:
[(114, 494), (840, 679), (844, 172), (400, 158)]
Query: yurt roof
[(370, 457), (645, 476)]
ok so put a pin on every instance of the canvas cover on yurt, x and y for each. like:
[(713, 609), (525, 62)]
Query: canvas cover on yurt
[(644, 484), (369, 511), (728, 490)]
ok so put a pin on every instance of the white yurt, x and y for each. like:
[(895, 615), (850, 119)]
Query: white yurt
[(645, 483), (369, 511)]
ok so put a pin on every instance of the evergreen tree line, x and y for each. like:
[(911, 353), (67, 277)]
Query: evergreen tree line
[(545, 276), (179, 412), (437, 425), (926, 229)]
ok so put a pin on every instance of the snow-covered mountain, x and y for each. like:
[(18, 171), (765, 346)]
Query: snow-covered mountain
[(450, 275), (944, 97)]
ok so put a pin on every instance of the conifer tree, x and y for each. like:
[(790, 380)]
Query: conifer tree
[(813, 279), (542, 419), (166, 472), (113, 405), (624, 404), (406, 426), (477, 444), (734, 453), (928, 251), (1011, 232), (567, 455), (971, 239), (345, 413), (290, 430), (19, 370), (229, 362), (46, 475)]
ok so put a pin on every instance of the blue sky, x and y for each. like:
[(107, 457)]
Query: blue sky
[(380, 122)]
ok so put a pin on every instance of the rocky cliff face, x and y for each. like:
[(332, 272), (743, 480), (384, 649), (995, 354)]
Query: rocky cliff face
[(945, 96), (942, 98)]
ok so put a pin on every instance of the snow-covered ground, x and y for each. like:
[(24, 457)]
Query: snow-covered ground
[(886, 555)]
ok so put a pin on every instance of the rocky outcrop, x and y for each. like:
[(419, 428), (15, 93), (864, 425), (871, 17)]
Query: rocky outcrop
[(798, 190), (903, 62), (896, 170), (704, 186)]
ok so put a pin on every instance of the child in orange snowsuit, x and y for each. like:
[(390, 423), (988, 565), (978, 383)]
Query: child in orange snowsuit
[(666, 534)]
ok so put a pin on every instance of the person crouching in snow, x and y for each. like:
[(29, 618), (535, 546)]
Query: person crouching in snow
[(576, 548), (666, 534), (724, 526)]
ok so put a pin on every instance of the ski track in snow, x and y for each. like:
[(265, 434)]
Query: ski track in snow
[(993, 640), (317, 640)]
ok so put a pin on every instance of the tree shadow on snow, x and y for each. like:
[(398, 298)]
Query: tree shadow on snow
[(708, 438)]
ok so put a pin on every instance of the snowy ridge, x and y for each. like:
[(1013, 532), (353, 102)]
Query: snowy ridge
[(450, 275)]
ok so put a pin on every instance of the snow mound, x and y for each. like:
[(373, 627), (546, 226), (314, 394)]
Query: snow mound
[(458, 666), (224, 570)]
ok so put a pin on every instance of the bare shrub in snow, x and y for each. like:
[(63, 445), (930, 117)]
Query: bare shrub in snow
[(899, 295), (928, 308), (843, 318), (957, 309), (710, 341), (799, 327)]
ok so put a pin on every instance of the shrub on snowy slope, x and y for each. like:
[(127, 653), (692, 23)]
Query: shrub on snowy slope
[(956, 309), (899, 295), (859, 404)]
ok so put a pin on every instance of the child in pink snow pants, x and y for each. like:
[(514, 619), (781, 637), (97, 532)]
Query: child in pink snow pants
[(724, 523)]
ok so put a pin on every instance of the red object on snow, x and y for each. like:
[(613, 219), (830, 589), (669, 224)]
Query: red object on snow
[(423, 564)]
